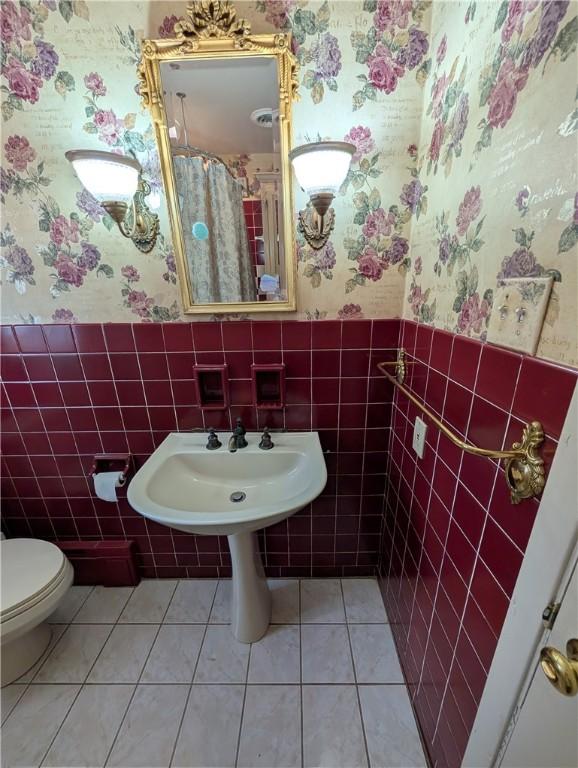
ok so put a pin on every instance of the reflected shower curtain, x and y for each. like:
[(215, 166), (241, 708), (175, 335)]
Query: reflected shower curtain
[(220, 267)]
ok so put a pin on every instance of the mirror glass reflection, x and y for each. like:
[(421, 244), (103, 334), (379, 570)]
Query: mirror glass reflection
[(223, 123)]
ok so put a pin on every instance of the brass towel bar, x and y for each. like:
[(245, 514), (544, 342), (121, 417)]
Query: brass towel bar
[(524, 466)]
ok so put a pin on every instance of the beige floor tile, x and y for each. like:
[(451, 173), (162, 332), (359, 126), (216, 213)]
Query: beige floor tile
[(285, 599), (174, 654), (332, 731), (374, 654), (200, 743), (124, 655), (70, 605), (321, 601), (57, 631), (276, 658), (27, 733), (363, 601), (74, 654), (149, 730), (271, 729), (103, 606), (88, 732), (326, 655), (223, 659), (221, 610), (148, 602), (390, 729), (10, 695), (192, 601)]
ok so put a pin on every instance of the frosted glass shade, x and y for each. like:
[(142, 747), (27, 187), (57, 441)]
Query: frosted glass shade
[(322, 165), (108, 177)]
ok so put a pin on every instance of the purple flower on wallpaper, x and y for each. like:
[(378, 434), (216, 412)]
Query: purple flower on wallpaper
[(63, 231), (89, 205), (397, 250), (442, 48), (19, 152), (327, 56), (472, 314), (444, 249), (503, 96), (469, 209), (378, 222), (437, 95), (514, 20), (369, 266), (384, 71), (436, 142), (350, 312), (325, 258), (412, 151), (363, 140), (522, 263), (68, 271), (167, 28), (14, 24), (277, 13), (417, 47), (22, 83), (140, 303), (411, 194), (7, 178), (416, 298), (19, 261), (109, 126), (553, 12), (95, 84), (89, 256), (418, 266), (392, 13), (130, 273), (522, 200), (46, 61), (63, 316), (460, 119)]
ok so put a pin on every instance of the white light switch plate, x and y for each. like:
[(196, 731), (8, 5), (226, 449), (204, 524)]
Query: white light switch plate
[(419, 430), (518, 312)]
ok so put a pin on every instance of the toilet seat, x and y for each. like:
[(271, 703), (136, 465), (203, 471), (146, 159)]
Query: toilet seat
[(31, 571)]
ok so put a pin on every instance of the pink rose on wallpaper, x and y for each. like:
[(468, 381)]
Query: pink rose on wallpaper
[(140, 303), (277, 13), (502, 99), (63, 231), (68, 271), (63, 316), (350, 312), (438, 93), (363, 140), (383, 69), (95, 84), (514, 20), (392, 13), (469, 209), (167, 28), (369, 266), (436, 142), (378, 222), (109, 126), (472, 314), (130, 273), (14, 25), (442, 48), (416, 298), (22, 83), (19, 152)]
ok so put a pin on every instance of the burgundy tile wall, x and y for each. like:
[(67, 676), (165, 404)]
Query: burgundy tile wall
[(452, 541), (73, 391)]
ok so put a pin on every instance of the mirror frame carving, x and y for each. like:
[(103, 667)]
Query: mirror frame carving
[(210, 30)]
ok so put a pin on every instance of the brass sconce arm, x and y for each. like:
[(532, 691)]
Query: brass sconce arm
[(524, 466), (136, 223)]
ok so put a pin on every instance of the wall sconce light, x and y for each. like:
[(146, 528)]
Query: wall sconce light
[(321, 168), (115, 181)]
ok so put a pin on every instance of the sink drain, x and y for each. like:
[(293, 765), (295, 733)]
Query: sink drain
[(237, 496)]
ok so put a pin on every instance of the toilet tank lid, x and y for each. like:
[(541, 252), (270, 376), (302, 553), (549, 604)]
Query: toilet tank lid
[(28, 567)]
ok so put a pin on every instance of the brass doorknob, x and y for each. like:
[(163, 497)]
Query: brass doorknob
[(561, 671)]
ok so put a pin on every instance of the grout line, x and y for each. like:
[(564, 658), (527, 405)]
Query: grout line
[(243, 705)]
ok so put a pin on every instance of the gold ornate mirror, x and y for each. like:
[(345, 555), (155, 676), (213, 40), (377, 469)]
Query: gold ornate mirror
[(220, 99)]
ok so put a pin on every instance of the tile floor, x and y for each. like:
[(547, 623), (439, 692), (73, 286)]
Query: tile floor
[(153, 677)]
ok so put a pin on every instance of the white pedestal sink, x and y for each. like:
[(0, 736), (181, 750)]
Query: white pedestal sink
[(185, 486)]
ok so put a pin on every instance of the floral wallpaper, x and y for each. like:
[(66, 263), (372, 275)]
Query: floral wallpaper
[(498, 152), (463, 115)]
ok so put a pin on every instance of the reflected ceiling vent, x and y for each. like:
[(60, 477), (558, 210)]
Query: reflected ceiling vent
[(265, 117)]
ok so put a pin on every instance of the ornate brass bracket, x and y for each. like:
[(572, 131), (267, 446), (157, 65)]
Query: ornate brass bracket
[(316, 228), (524, 467), (136, 223)]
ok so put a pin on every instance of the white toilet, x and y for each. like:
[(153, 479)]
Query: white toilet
[(35, 577)]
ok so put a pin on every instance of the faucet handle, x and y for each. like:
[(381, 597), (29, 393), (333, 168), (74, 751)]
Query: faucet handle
[(213, 442), (266, 443), (240, 429)]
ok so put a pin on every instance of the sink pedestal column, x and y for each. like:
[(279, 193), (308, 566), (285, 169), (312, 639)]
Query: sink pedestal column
[(251, 606)]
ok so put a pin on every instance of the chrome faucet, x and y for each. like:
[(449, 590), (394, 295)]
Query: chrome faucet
[(237, 439)]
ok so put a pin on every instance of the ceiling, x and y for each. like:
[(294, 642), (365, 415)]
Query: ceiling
[(221, 94)]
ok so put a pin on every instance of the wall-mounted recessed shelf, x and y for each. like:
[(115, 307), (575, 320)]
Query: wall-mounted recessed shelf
[(268, 384), (212, 382)]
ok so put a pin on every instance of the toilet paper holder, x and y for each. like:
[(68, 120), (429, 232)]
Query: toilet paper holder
[(111, 462)]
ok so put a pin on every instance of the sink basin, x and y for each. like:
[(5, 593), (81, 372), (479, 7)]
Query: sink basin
[(187, 487)]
